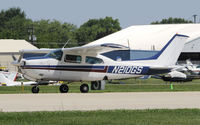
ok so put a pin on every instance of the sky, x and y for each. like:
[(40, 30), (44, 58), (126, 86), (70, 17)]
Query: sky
[(129, 12)]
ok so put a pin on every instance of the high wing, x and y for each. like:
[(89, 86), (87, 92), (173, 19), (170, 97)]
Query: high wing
[(36, 51), (96, 49)]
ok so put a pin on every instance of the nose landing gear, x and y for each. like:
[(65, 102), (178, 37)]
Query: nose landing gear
[(84, 88), (35, 89)]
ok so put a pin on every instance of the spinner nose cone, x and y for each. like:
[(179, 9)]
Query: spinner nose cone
[(18, 64), (15, 63), (23, 63)]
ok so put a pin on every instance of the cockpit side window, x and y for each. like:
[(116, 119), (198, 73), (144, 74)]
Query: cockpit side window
[(93, 60), (72, 58), (56, 54)]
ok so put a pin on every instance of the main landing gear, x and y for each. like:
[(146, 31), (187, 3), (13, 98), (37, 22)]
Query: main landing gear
[(84, 88), (64, 88)]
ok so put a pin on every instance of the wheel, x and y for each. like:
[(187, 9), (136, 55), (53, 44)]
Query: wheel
[(64, 88), (35, 89), (84, 88)]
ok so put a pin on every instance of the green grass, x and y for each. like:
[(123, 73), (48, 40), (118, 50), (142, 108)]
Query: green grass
[(110, 117), (130, 85)]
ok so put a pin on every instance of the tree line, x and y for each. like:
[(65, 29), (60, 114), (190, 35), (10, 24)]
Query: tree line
[(53, 34)]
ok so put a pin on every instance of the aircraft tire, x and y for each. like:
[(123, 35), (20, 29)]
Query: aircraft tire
[(84, 88), (64, 88), (35, 89), (95, 85)]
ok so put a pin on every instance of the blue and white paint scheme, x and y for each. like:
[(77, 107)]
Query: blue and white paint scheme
[(86, 63)]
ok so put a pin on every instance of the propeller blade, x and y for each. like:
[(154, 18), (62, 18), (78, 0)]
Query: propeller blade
[(14, 58)]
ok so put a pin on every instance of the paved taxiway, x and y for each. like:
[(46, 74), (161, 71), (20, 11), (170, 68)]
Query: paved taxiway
[(98, 101)]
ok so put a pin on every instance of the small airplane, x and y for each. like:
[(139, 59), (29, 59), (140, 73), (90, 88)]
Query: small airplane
[(86, 63), (175, 76), (9, 79), (181, 73), (192, 68)]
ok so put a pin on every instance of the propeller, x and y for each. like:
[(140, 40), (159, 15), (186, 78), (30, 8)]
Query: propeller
[(17, 62)]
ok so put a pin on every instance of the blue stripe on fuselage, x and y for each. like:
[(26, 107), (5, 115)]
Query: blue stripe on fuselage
[(138, 70), (132, 70)]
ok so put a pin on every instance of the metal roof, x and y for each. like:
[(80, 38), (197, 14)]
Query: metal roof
[(150, 37), (13, 46)]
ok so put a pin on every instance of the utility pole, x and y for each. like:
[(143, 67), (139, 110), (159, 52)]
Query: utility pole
[(194, 16), (32, 37)]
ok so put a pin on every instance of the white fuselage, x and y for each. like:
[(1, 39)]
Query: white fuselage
[(52, 69)]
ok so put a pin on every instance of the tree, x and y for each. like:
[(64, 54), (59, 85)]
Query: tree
[(13, 24), (171, 20), (50, 34), (96, 28), (53, 34), (9, 14)]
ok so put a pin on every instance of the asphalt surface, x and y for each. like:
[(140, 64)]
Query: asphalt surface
[(98, 101)]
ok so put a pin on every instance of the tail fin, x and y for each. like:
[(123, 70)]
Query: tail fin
[(171, 51), (10, 75), (188, 62), (7, 79), (189, 65), (4, 80)]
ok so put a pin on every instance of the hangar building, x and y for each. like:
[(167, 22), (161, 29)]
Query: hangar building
[(146, 40), (9, 47)]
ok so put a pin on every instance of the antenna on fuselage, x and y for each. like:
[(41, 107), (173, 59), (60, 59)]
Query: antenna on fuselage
[(128, 44), (66, 43)]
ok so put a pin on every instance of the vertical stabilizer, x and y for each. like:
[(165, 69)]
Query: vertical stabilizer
[(169, 54)]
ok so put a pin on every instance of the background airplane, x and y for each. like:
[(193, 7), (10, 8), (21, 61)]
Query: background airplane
[(9, 79), (182, 73)]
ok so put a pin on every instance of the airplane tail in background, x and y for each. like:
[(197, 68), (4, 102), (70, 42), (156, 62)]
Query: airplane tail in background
[(189, 65), (188, 62), (8, 79), (169, 54), (10, 75), (5, 81)]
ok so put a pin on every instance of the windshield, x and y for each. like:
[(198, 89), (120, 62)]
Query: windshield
[(56, 54)]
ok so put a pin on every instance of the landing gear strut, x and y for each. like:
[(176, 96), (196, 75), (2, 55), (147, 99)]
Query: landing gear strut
[(84, 88), (35, 89), (64, 88)]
